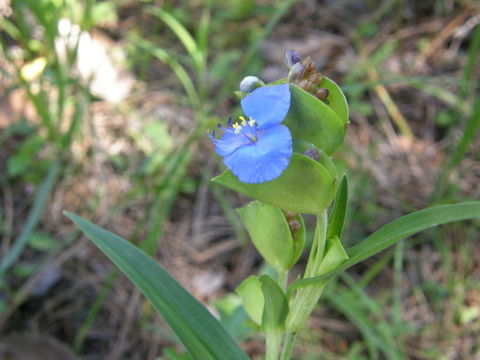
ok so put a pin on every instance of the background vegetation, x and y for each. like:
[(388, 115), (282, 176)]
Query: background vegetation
[(103, 111)]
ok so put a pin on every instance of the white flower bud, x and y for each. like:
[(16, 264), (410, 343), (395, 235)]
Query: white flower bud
[(250, 83)]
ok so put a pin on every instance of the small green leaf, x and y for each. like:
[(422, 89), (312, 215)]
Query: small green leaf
[(304, 187), (337, 218), (203, 336), (335, 255), (250, 291), (312, 120), (269, 232)]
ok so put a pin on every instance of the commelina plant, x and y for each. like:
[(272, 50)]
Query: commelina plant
[(279, 153)]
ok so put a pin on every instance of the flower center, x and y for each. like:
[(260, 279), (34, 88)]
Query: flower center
[(246, 127)]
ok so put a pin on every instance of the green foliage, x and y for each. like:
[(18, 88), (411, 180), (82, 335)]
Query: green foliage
[(272, 238), (42, 242), (233, 316), (339, 211), (199, 331), (250, 291), (398, 230), (305, 186), (202, 63), (274, 315), (25, 161), (34, 216), (312, 120)]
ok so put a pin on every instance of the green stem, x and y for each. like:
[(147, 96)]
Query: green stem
[(283, 280), (288, 342), (273, 343), (306, 298)]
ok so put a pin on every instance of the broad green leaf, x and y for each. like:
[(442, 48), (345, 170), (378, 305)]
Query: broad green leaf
[(250, 291), (337, 218), (202, 334), (336, 99), (274, 315), (304, 187), (397, 230), (314, 121), (269, 232)]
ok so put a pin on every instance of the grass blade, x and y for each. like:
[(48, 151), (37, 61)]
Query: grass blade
[(397, 230), (199, 331), (177, 68), (32, 220), (183, 35)]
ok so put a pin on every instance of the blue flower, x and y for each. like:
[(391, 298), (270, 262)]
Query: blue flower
[(257, 148)]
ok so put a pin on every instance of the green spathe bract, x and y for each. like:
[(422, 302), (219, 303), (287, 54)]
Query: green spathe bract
[(305, 187), (250, 291), (312, 120), (336, 99), (270, 233)]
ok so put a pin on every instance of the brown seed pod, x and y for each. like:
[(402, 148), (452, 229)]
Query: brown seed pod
[(305, 84), (316, 78), (309, 66), (322, 94), (290, 214)]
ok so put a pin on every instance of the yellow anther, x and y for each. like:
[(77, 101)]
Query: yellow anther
[(242, 119), (251, 122)]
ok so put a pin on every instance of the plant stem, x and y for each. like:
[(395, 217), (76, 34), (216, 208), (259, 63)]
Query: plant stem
[(306, 298), (288, 342), (283, 280), (273, 345)]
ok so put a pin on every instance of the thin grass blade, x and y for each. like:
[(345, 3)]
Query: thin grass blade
[(397, 230), (32, 220)]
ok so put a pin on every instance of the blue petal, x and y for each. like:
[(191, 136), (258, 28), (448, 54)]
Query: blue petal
[(229, 142), (267, 105), (263, 160)]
